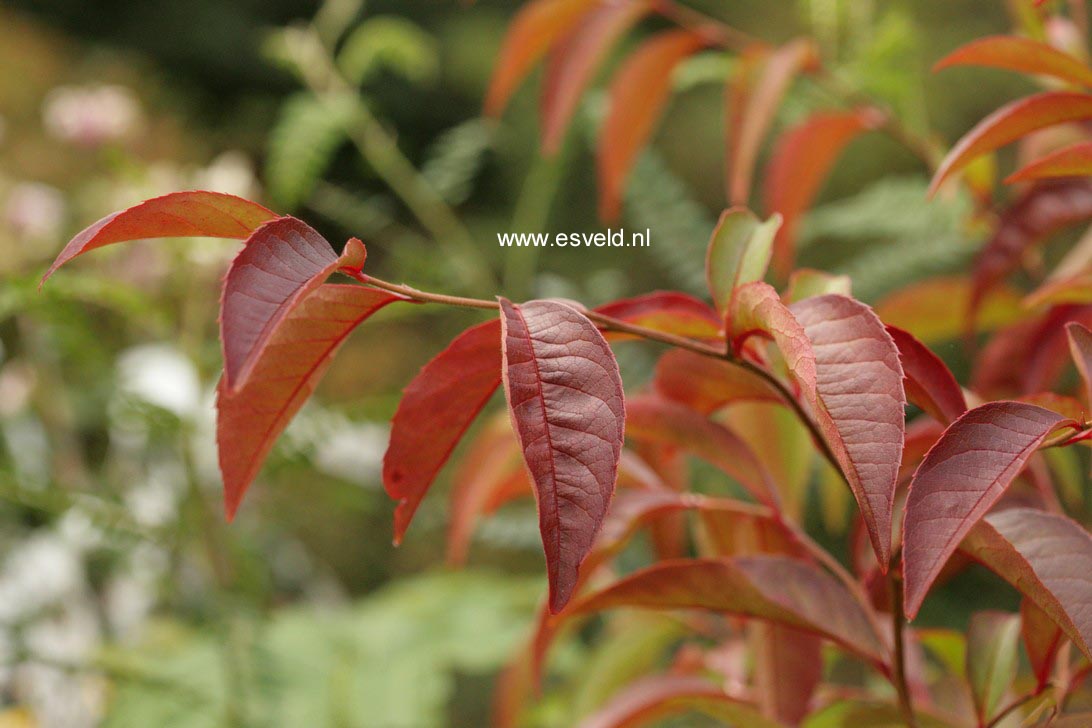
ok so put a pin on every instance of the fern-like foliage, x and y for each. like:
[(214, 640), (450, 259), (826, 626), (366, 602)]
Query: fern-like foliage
[(456, 158), (302, 145), (389, 43)]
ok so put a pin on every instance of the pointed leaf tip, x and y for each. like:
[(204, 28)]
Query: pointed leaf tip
[(565, 396)]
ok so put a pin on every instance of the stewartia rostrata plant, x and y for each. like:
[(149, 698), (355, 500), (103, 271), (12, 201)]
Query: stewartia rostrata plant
[(753, 384)]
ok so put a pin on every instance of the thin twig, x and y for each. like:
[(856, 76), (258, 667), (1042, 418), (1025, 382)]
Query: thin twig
[(898, 621)]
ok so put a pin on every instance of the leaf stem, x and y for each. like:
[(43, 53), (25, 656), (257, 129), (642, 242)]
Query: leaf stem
[(898, 622)]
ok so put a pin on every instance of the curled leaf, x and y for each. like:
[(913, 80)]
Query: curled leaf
[(738, 253), (961, 478), (251, 418), (179, 214), (565, 396), (436, 409)]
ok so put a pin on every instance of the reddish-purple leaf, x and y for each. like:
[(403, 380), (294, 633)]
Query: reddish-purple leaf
[(574, 60), (1042, 211), (251, 418), (929, 383), (788, 667), (283, 261), (652, 699), (537, 26), (638, 93), (657, 420), (1071, 161), (757, 310), (961, 478), (179, 214), (860, 403), (1019, 54), (1048, 558), (436, 409), (1080, 346), (705, 384), (754, 96), (774, 588), (565, 395), (1011, 122), (668, 311), (800, 162), (1042, 640)]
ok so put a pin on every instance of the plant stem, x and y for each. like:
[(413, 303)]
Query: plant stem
[(898, 621)]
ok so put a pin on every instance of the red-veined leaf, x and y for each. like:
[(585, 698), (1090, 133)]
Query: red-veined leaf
[(1071, 161), (1042, 640), (935, 310), (860, 403), (436, 409), (1011, 122), (738, 253), (705, 384), (574, 60), (1048, 558), (1039, 213), (251, 418), (754, 95), (565, 396), (992, 642), (806, 282), (1019, 54), (651, 699), (1076, 289), (638, 93), (1080, 346), (653, 419), (282, 262), (668, 311), (536, 27), (177, 215), (962, 476), (929, 383), (774, 588), (800, 162)]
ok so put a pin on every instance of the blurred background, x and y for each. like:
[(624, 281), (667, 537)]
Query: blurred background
[(125, 598)]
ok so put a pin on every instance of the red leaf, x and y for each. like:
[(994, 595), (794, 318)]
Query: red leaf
[(537, 26), (1039, 213), (668, 311), (652, 419), (757, 310), (1072, 161), (754, 96), (704, 384), (638, 93), (860, 403), (179, 214), (565, 396), (1042, 640), (1080, 345), (1019, 54), (574, 60), (1011, 122), (1048, 558), (738, 253), (436, 409), (800, 162), (788, 667), (929, 383), (283, 261), (962, 476), (296, 356), (781, 590), (651, 699)]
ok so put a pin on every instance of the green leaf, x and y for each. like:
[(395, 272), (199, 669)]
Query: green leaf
[(739, 252), (992, 642)]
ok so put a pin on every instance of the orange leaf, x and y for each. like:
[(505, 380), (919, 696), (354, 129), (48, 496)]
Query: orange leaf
[(1072, 161), (1019, 54), (574, 60), (299, 351), (637, 95), (800, 161), (537, 26), (754, 96), (1011, 122)]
